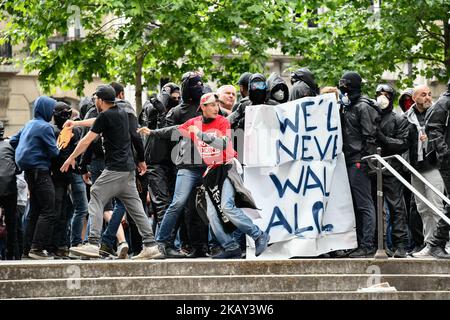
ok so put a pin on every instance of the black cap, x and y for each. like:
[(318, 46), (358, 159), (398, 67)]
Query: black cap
[(106, 93), (243, 80)]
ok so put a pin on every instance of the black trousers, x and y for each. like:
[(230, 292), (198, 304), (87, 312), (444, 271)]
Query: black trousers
[(9, 203), (61, 183), (440, 235), (161, 184), (41, 217), (393, 195)]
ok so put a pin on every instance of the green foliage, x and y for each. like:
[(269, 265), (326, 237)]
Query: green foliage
[(227, 37)]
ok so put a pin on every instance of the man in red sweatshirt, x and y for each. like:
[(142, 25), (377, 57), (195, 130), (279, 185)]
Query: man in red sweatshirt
[(211, 135)]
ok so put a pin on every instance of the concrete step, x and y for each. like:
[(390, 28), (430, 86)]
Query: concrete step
[(326, 295), (62, 269), (167, 285)]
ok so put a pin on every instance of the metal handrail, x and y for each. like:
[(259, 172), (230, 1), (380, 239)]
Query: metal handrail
[(409, 186)]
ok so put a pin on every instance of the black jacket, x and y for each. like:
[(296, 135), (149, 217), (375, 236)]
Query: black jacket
[(360, 123), (438, 129), (64, 154), (393, 135), (7, 169), (153, 116)]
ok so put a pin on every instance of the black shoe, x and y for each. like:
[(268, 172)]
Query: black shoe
[(36, 254), (362, 253), (338, 254), (106, 251), (400, 253), (196, 253), (170, 252), (389, 252), (233, 254), (417, 249), (439, 253), (213, 251)]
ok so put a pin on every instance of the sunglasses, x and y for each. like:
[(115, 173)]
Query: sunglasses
[(260, 85), (384, 88)]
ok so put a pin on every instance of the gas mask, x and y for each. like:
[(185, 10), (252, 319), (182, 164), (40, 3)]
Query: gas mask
[(279, 95), (383, 101), (344, 99)]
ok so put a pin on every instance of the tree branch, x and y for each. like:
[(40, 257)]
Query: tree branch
[(438, 37)]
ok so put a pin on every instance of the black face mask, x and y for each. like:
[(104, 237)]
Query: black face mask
[(258, 96), (173, 103), (61, 117), (196, 93)]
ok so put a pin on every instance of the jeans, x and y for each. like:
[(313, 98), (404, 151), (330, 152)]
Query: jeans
[(364, 207), (80, 208), (186, 180), (109, 236), (234, 214), (41, 218)]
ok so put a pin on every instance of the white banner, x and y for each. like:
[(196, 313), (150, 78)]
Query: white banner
[(296, 172)]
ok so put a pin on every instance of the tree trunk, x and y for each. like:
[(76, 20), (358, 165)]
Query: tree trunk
[(447, 45), (138, 81)]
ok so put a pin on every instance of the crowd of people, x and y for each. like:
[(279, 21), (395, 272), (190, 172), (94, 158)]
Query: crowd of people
[(105, 182)]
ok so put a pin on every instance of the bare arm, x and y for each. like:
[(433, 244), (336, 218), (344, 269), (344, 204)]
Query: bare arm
[(81, 147), (80, 123)]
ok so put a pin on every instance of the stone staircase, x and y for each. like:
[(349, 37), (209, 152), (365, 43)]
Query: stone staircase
[(225, 279)]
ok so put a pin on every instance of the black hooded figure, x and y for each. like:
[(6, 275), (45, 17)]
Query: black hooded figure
[(438, 131), (304, 84), (278, 88), (392, 137), (8, 196), (258, 93), (359, 122)]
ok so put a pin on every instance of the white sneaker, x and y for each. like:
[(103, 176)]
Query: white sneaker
[(87, 250), (149, 253), (122, 250), (423, 254)]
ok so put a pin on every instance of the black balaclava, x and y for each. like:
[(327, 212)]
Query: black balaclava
[(352, 85), (2, 130), (305, 75), (191, 92), (173, 88), (257, 96), (62, 114), (390, 95)]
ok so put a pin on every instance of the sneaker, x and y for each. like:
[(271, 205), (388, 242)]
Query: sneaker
[(233, 254), (196, 252), (439, 253), (122, 250), (149, 253), (36, 254), (261, 243), (417, 249), (338, 254), (215, 250), (106, 251), (170, 252), (362, 253), (422, 254), (86, 250), (400, 253)]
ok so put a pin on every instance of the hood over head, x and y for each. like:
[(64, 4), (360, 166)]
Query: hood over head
[(191, 88), (278, 88), (257, 89), (44, 107)]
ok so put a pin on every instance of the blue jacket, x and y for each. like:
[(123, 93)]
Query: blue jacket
[(35, 144)]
